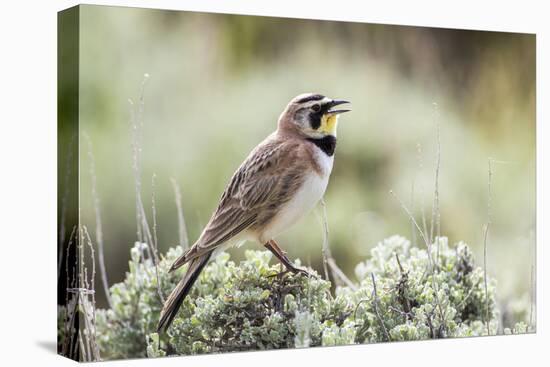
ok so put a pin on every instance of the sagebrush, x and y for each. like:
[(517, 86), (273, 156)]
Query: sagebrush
[(400, 294)]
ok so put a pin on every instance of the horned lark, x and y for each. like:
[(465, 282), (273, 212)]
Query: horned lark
[(282, 179)]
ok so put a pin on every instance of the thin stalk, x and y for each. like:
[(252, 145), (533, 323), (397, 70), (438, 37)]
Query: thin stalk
[(376, 311), (98, 222), (182, 228), (328, 261), (155, 238), (485, 245)]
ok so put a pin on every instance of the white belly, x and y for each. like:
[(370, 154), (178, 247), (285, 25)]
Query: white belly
[(304, 200)]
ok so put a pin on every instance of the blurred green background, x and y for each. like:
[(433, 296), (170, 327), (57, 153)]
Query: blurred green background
[(219, 82)]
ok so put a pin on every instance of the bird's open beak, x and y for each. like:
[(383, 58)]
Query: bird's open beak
[(334, 103)]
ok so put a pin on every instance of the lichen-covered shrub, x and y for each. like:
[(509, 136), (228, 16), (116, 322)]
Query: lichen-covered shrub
[(247, 306), (400, 294), (417, 300), (123, 330)]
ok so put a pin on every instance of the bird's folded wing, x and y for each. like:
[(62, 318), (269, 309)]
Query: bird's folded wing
[(265, 181)]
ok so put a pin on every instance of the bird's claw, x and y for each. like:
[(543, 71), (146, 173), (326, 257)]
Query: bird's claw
[(294, 270), (304, 272)]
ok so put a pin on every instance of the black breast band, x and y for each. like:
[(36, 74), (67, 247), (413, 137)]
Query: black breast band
[(326, 144)]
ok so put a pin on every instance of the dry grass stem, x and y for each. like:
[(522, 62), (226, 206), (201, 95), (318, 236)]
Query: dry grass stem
[(328, 261), (421, 190), (136, 124), (80, 339), (532, 300), (411, 217), (98, 221), (485, 244), (154, 242), (435, 228), (64, 203), (326, 248), (375, 302), (182, 228), (413, 228), (155, 238)]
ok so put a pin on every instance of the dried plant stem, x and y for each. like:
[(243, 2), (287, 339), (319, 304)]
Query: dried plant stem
[(326, 248), (411, 218), (92, 256), (70, 317), (64, 203), (98, 222), (339, 274), (532, 299), (485, 245), (90, 305), (422, 203), (436, 216), (429, 251), (154, 242), (182, 229), (136, 166), (155, 238), (81, 342), (413, 229), (375, 302), (328, 261), (136, 124)]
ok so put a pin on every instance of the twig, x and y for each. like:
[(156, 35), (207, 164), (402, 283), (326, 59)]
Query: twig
[(532, 300), (82, 348), (92, 256), (93, 348), (463, 302), (339, 274), (64, 199), (406, 210), (326, 249), (429, 251), (98, 222), (154, 242), (81, 342), (430, 324), (182, 229), (485, 244), (401, 270), (328, 260), (136, 124), (357, 307), (413, 229), (375, 301), (402, 284), (67, 349), (155, 238), (136, 166), (436, 216), (422, 199), (402, 313)]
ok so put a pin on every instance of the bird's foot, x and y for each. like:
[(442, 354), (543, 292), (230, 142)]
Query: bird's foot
[(297, 270), (294, 270)]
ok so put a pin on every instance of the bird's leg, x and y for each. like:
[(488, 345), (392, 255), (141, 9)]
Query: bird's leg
[(272, 246)]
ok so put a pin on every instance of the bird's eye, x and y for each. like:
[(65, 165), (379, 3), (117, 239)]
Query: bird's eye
[(316, 108)]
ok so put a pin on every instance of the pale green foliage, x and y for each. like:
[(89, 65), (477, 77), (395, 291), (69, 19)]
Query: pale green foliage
[(61, 320), (418, 302), (122, 330), (519, 328), (246, 306)]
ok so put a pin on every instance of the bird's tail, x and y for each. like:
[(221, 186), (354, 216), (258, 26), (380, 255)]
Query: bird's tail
[(175, 299)]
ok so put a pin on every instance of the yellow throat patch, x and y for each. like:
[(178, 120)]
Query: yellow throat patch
[(329, 124)]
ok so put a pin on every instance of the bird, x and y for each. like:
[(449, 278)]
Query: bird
[(280, 181)]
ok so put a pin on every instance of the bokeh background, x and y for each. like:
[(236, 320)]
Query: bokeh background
[(217, 84)]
